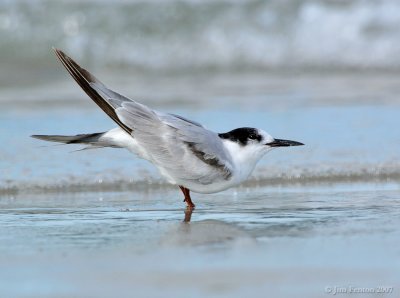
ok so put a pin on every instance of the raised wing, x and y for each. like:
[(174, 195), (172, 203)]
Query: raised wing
[(86, 80), (182, 149)]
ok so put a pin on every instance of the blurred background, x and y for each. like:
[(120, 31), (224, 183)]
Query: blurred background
[(204, 36), (102, 223)]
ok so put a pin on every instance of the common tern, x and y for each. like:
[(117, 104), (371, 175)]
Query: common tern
[(185, 152)]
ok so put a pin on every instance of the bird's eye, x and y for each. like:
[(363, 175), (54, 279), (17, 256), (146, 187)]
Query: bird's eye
[(252, 136)]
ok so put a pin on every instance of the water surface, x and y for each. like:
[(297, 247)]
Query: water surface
[(249, 241)]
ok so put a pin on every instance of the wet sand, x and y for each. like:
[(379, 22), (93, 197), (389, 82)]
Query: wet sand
[(271, 241)]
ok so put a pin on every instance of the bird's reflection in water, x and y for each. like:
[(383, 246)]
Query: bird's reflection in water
[(188, 214)]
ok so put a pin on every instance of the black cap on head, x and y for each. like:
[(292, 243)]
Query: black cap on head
[(241, 135)]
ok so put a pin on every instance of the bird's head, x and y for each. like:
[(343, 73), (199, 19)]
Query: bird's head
[(252, 143)]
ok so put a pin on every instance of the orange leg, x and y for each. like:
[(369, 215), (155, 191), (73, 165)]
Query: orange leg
[(188, 214), (188, 199)]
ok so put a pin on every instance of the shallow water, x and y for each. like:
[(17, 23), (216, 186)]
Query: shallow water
[(311, 221), (286, 242)]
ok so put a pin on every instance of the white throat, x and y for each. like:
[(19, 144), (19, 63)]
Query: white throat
[(244, 158)]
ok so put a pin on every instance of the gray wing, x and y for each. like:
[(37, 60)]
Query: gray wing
[(182, 149)]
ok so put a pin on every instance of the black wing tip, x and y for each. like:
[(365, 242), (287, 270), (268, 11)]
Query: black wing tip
[(59, 53), (72, 66), (40, 137), (84, 79)]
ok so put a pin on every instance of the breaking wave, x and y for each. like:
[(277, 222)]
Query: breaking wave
[(201, 35)]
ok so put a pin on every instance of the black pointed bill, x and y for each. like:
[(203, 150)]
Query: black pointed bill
[(283, 143)]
